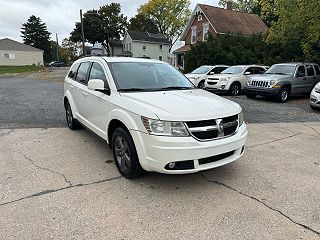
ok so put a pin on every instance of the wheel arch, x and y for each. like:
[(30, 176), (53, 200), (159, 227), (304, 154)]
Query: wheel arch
[(68, 98)]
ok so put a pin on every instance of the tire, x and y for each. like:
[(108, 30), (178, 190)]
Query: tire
[(72, 123), (235, 89), (201, 84), (283, 95), (314, 108), (251, 95), (125, 154)]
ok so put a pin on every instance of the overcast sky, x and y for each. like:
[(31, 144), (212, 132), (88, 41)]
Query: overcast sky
[(59, 15)]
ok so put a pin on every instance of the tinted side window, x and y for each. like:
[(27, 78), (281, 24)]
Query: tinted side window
[(82, 72), (316, 67), (250, 69), (310, 70), (301, 72), (259, 70), (73, 71), (97, 72), (218, 70)]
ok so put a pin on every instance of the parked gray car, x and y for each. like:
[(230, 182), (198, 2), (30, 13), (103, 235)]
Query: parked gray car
[(283, 80)]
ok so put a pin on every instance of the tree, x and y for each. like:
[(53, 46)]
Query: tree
[(268, 12), (170, 16), (142, 23), (34, 33), (102, 26), (247, 6)]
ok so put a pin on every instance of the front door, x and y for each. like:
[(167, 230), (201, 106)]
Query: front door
[(300, 80)]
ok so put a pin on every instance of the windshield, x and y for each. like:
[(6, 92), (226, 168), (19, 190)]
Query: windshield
[(201, 70), (147, 76), (281, 69), (233, 70)]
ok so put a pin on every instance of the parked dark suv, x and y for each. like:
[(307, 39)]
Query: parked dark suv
[(56, 64), (283, 80)]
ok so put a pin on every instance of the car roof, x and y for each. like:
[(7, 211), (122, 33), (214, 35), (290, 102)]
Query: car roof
[(294, 63), (121, 59), (248, 66)]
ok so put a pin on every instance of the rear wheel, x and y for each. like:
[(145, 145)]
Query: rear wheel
[(251, 95), (125, 154), (201, 85), (72, 123), (283, 95), (235, 89)]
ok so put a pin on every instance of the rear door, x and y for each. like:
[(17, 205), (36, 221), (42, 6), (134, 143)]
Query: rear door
[(311, 77)]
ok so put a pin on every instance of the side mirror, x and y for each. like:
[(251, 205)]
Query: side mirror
[(211, 73), (98, 85), (247, 73)]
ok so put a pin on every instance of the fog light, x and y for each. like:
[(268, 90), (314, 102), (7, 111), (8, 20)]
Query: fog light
[(172, 165), (223, 86)]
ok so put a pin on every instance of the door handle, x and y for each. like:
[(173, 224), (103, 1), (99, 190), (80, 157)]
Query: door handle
[(85, 94)]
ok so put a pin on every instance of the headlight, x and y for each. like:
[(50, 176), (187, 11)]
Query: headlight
[(241, 118), (165, 128), (224, 79), (248, 82), (317, 89), (273, 82)]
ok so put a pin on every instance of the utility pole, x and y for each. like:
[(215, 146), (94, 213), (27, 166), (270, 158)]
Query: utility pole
[(57, 47), (82, 33)]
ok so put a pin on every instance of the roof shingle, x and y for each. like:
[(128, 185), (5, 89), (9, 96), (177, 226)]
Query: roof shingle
[(148, 37)]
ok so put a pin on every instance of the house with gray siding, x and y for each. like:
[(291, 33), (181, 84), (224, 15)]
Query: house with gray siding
[(13, 53), (150, 45)]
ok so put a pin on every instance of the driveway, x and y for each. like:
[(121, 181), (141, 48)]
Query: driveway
[(61, 184)]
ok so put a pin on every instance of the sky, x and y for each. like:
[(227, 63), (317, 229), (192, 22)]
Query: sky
[(59, 15)]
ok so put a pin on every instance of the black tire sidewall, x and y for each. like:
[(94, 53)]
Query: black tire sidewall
[(135, 169), (280, 93), (231, 88), (74, 123), (201, 83)]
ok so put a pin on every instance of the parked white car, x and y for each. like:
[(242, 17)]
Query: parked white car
[(233, 79), (152, 116), (199, 75), (315, 97)]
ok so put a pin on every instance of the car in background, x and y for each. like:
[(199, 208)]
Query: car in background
[(283, 80), (315, 97), (199, 75), (56, 64), (233, 79)]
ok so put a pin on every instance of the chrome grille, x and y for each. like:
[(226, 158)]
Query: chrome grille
[(212, 83), (257, 83), (214, 128)]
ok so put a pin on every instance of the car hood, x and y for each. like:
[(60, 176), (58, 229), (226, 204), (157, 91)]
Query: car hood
[(184, 105), (224, 75), (190, 75), (269, 77)]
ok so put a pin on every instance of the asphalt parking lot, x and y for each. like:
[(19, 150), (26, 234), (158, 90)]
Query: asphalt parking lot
[(62, 184)]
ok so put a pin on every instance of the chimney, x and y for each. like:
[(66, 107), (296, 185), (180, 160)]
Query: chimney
[(229, 5)]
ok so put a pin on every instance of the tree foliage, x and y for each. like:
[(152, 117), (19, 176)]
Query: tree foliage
[(142, 23), (170, 16), (247, 6), (101, 26), (34, 33)]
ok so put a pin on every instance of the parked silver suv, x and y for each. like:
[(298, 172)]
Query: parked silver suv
[(284, 79)]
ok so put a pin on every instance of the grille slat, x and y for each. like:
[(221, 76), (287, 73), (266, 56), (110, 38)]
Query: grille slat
[(209, 129), (257, 83)]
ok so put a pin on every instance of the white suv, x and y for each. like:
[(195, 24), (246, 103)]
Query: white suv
[(152, 116)]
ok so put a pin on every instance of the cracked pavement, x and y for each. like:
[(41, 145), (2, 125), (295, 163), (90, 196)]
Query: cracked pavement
[(62, 184)]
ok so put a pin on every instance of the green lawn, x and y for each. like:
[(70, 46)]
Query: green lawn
[(20, 69)]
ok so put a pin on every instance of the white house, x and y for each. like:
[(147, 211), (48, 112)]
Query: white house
[(143, 44), (115, 48), (13, 53)]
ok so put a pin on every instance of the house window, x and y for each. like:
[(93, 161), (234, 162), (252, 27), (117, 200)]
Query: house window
[(9, 56), (144, 47), (193, 34), (160, 58), (129, 46), (199, 17), (160, 46), (205, 31)]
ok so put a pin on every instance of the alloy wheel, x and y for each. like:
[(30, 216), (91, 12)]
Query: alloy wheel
[(122, 153)]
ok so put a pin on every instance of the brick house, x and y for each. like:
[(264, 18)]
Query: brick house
[(209, 19)]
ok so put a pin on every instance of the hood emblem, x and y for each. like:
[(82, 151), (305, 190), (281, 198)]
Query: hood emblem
[(220, 126)]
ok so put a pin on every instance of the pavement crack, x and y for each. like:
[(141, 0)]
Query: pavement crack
[(312, 128), (69, 183), (48, 191), (276, 140), (264, 204)]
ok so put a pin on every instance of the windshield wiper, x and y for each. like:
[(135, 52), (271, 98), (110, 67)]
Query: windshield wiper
[(132, 90), (277, 73), (174, 88)]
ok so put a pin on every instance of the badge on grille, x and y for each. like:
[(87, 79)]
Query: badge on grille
[(220, 126)]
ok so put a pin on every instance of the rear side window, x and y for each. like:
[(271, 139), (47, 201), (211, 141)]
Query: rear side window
[(83, 72), (97, 72), (310, 70), (73, 71), (316, 67)]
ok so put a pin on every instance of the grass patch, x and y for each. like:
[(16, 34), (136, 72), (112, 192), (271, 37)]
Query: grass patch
[(20, 69)]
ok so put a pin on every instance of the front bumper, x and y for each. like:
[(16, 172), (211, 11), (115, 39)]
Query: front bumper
[(315, 99), (218, 86), (156, 152), (263, 91)]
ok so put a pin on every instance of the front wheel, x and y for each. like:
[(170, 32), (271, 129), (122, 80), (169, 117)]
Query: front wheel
[(125, 154), (201, 85), (235, 89), (73, 124), (283, 95)]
